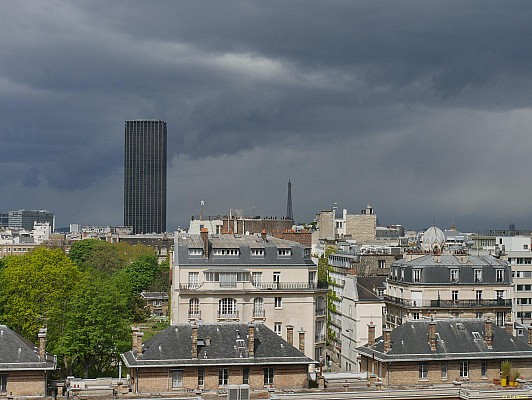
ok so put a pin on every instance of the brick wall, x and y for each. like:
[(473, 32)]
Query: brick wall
[(26, 383), (407, 373), (159, 380), (305, 237)]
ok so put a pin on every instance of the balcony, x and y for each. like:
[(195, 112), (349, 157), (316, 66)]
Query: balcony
[(285, 286), (233, 316), (194, 315), (320, 311), (472, 303), (318, 338), (259, 314)]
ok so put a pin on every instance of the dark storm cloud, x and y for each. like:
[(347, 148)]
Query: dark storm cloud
[(397, 100)]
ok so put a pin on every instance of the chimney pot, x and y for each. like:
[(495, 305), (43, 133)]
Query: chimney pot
[(42, 342), (302, 340), (139, 342), (432, 335), (134, 331), (204, 233), (290, 334), (510, 327), (529, 335)]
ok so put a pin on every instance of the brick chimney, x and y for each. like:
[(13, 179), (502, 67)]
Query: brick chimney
[(139, 342), (371, 334), (302, 340), (432, 335), (134, 331), (530, 335), (194, 341), (251, 340), (42, 342), (263, 235), (387, 332), (290, 334), (204, 233), (488, 335), (510, 327)]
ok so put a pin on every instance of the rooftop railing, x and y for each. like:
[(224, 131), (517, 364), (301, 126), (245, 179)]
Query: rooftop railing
[(472, 303)]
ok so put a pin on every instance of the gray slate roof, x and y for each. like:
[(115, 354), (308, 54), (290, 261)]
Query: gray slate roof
[(173, 347), (455, 340), (244, 243), (366, 286), (18, 353)]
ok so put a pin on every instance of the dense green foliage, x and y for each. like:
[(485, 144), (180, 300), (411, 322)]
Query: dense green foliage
[(87, 300)]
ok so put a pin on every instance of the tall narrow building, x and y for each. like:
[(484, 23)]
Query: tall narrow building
[(145, 175)]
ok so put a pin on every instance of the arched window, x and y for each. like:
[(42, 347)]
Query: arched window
[(193, 308), (258, 307), (227, 308)]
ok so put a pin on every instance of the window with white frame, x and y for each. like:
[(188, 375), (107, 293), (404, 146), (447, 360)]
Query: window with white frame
[(416, 275), (201, 377), (499, 275), (454, 295), (276, 277), (177, 378), (227, 307), (455, 275), (284, 252), (382, 263), (444, 367), (193, 280), (258, 307), (278, 328), (423, 369), (193, 307), (256, 278), (464, 369), (268, 376), (257, 252), (223, 376), (195, 252), (278, 302), (478, 275), (226, 252)]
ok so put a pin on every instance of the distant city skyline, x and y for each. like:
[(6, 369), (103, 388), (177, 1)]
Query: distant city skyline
[(422, 109)]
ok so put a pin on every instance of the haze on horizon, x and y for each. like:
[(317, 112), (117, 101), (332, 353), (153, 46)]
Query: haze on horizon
[(422, 109)]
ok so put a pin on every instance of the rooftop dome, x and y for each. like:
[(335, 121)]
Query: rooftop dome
[(433, 237)]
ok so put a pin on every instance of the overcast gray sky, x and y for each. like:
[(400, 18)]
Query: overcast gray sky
[(421, 108)]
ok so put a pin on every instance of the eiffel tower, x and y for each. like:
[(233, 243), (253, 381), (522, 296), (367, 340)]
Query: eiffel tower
[(289, 214)]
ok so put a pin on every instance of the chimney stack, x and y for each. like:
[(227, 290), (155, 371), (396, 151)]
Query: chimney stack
[(290, 334), (302, 340), (432, 335), (251, 340), (42, 342), (263, 235), (371, 334), (488, 335), (134, 331), (139, 342), (530, 335), (204, 233), (194, 341), (387, 332)]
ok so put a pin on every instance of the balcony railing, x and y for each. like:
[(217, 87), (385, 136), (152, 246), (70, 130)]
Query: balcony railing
[(194, 315), (450, 303), (256, 285), (228, 315), (320, 337), (259, 314), (320, 311)]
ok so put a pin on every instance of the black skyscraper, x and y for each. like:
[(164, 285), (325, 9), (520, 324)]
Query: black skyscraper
[(145, 176)]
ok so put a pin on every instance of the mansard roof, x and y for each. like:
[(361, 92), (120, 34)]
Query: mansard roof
[(217, 345), (457, 339)]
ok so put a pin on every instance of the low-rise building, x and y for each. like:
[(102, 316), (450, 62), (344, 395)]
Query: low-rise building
[(187, 357), (445, 351), (157, 303), (24, 367)]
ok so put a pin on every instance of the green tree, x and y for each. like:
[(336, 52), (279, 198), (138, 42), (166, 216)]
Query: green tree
[(323, 265), (161, 282), (34, 291), (97, 327)]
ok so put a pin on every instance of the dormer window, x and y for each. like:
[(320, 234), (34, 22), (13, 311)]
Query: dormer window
[(195, 252), (284, 252), (226, 252), (478, 275), (499, 275), (257, 252), (455, 275), (416, 275)]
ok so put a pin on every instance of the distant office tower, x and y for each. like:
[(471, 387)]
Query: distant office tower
[(26, 218), (145, 176)]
